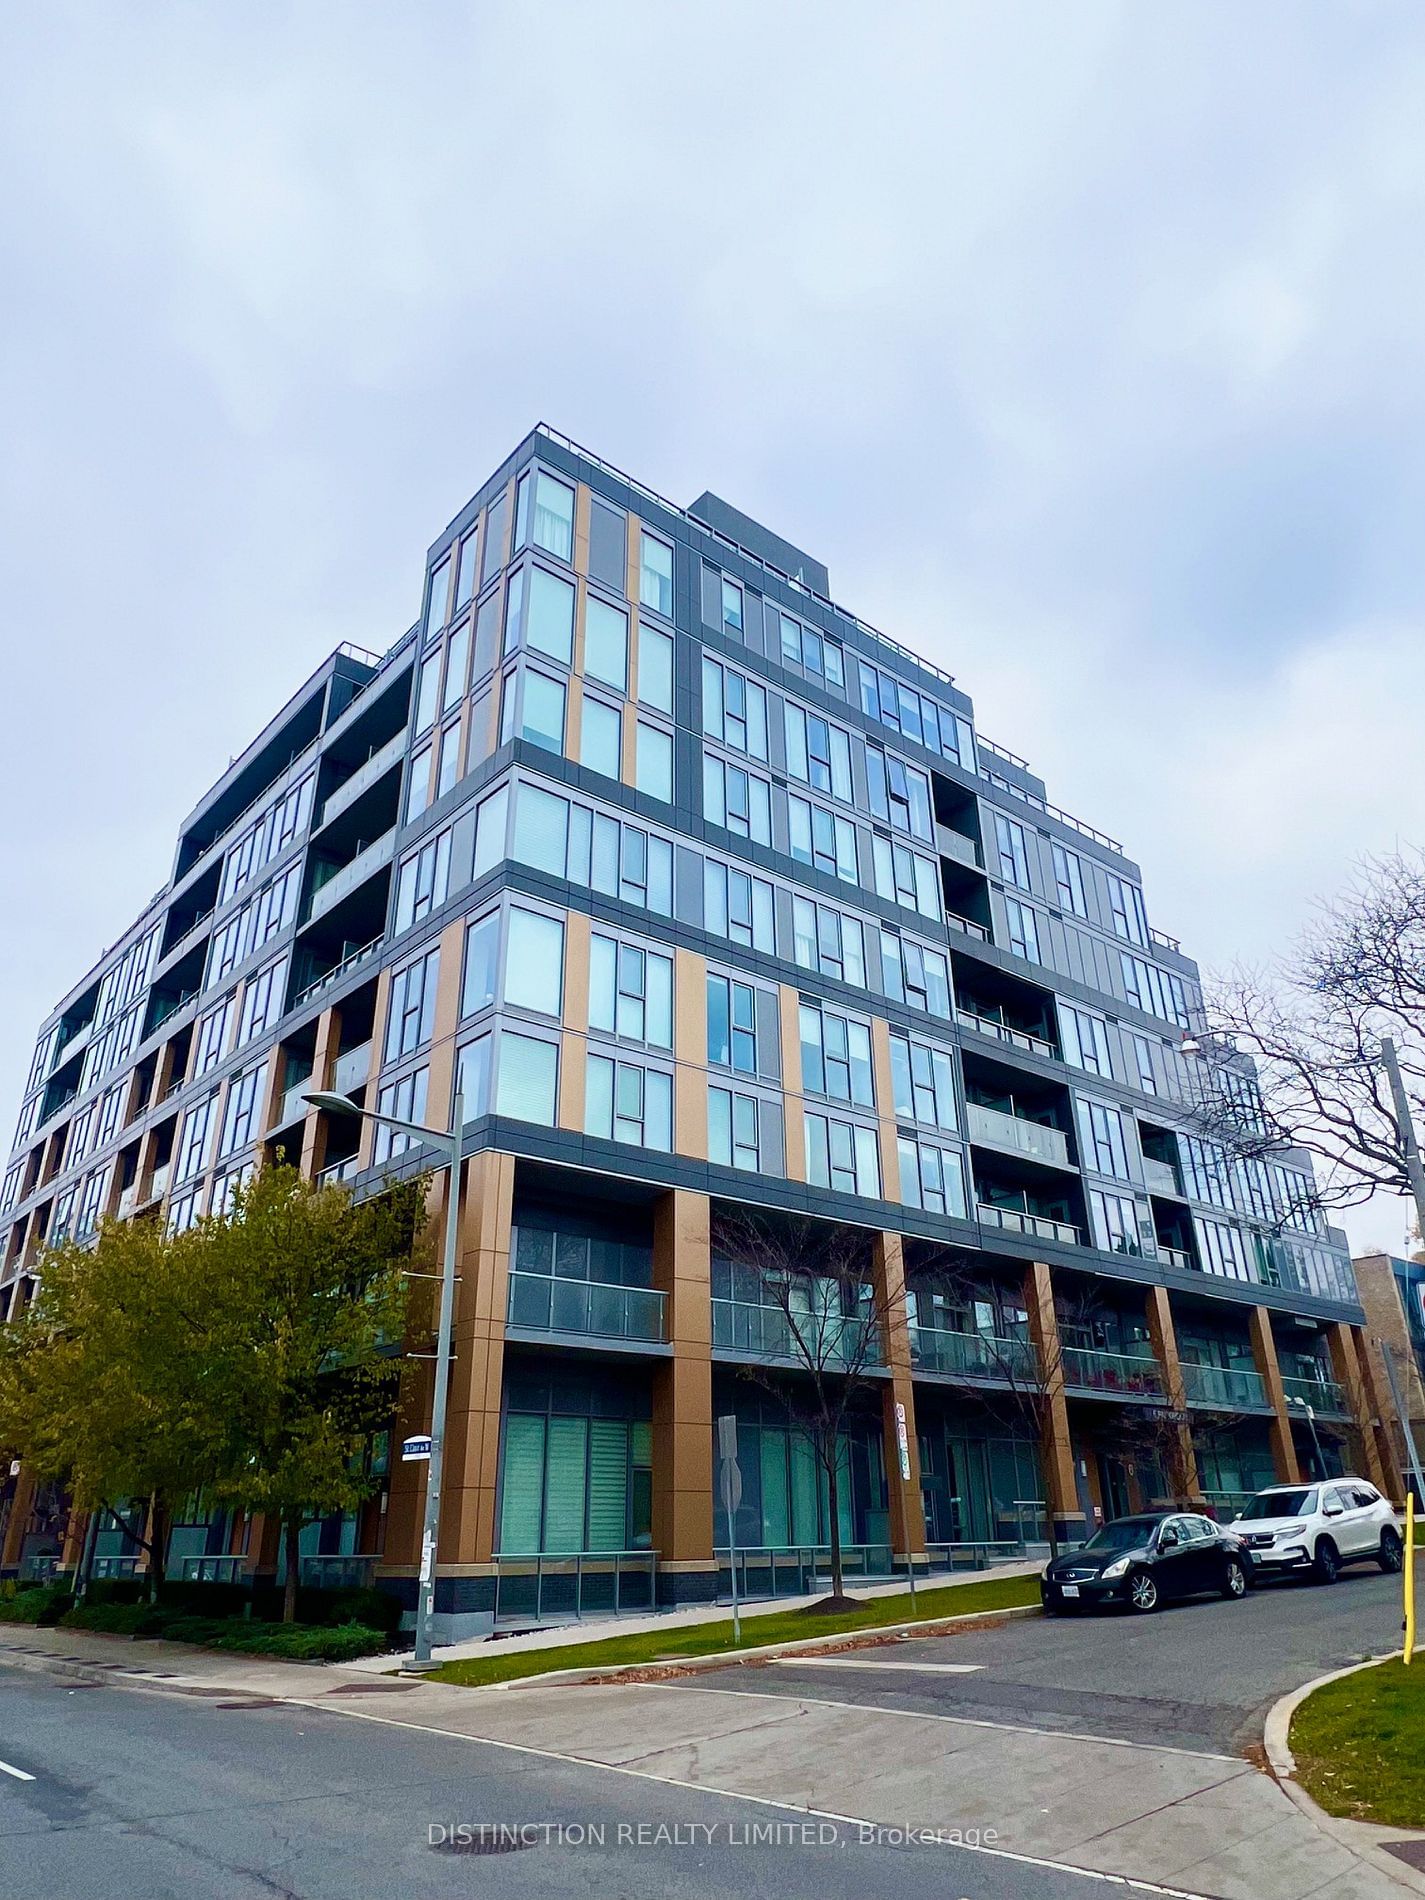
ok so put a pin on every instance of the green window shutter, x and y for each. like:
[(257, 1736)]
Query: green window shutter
[(522, 1484), (776, 1527), (608, 1485), (566, 1481)]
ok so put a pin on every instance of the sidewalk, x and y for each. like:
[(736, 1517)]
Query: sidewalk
[(1204, 1824)]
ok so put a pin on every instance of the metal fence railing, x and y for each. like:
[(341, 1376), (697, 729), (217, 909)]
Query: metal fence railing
[(541, 1586), (223, 1568), (351, 1572)]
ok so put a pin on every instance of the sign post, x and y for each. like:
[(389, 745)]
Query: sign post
[(903, 1450), (730, 1478)]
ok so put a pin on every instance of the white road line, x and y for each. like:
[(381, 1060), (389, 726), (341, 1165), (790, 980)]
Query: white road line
[(18, 1773), (857, 1662)]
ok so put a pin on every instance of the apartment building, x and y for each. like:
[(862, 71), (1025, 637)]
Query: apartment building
[(705, 894)]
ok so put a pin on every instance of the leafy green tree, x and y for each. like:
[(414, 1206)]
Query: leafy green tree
[(308, 1297), (106, 1379)]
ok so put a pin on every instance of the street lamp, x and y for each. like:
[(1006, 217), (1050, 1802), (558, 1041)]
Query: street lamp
[(448, 1140), (1310, 1411)]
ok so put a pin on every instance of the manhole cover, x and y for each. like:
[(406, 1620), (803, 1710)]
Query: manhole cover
[(482, 1841)]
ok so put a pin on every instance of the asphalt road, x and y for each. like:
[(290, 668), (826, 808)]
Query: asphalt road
[(1200, 1674), (139, 1795)]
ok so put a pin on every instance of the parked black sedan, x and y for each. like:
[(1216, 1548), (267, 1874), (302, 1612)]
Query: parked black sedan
[(1142, 1561)]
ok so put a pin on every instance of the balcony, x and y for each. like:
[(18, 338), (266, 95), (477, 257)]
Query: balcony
[(338, 970), (967, 925), (128, 1201), (158, 1186), (971, 1355), (596, 1308), (346, 1170), (954, 844), (1177, 1257), (1004, 1032), (1160, 1177), (1112, 1374), (343, 880), (376, 766), (292, 1108), (766, 1333), (352, 1069), (1228, 1388), (1036, 1226), (1017, 1134), (1322, 1395)]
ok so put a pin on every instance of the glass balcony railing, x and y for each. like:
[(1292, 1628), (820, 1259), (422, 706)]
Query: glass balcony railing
[(1005, 1032), (1037, 1226), (1121, 1375), (766, 1331), (1231, 1388), (1176, 1257), (954, 844), (602, 1310), (1322, 1395), (292, 1107), (1160, 1177), (968, 925), (1017, 1133), (971, 1355), (345, 1170), (352, 1069)]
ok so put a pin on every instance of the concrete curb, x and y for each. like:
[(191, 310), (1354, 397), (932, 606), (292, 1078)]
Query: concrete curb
[(1362, 1838)]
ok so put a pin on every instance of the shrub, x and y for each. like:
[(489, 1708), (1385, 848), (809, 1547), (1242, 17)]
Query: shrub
[(373, 1609), (116, 1590), (297, 1642), (116, 1619), (40, 1604)]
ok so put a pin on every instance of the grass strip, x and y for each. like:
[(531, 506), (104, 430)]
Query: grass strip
[(771, 1626), (1359, 1745)]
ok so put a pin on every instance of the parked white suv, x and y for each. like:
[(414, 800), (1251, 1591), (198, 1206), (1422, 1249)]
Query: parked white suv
[(1319, 1527)]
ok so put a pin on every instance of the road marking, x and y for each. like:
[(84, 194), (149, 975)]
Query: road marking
[(1125, 1883), (18, 1773), (856, 1662)]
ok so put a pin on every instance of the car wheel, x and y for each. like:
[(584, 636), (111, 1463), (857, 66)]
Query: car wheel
[(1391, 1555), (1326, 1566), (1142, 1592), (1234, 1580)]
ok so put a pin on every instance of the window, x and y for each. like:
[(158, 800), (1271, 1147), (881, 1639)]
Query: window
[(818, 752), (734, 709), (1023, 929), (240, 1114), (225, 1187), (490, 831), (829, 942), (630, 991), (418, 784), (1105, 1144), (731, 608), (482, 955), (745, 1131), (1069, 880), (273, 909), (528, 1078), (1115, 1219), (732, 1025), (1125, 906), (437, 595), (844, 1156), (822, 839), (653, 762), (553, 516), (78, 1144), (465, 572), (534, 961), (601, 737), (1013, 851), (804, 647), (406, 1100), (449, 757), (913, 974), (904, 877), (1140, 1051), (1221, 1249), (737, 906), (606, 643), (625, 1102), (411, 1020), (109, 1111), (916, 716), (1205, 1171), (262, 1000), (608, 544), (197, 1132), (549, 621), (427, 693), (836, 1056), (922, 1082), (932, 1177), (472, 1077), (1157, 992), (655, 575), (514, 611), (487, 628), (496, 517), (1085, 1039), (590, 848), (655, 670), (183, 1211), (899, 794), (457, 660), (739, 801), (211, 1041), (542, 711), (422, 880)]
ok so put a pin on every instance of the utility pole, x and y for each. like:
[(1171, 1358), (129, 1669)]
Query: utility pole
[(1414, 1167)]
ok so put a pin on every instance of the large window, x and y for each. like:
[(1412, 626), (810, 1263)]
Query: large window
[(467, 571), (836, 1056), (818, 752), (1069, 880), (913, 974), (655, 670), (528, 1078), (932, 1177), (739, 801), (734, 709), (923, 1082), (900, 794), (1085, 1039), (916, 716), (212, 1037), (630, 991), (406, 1100), (411, 1021), (743, 1027), (1222, 1249), (745, 1131), (843, 1155), (240, 1115), (549, 519), (1023, 929), (480, 979), (427, 694), (813, 653), (1105, 1142), (822, 839), (904, 877), (592, 849), (457, 663), (608, 545), (828, 941), (655, 574), (437, 598), (549, 617), (1012, 851), (737, 905), (1156, 992), (653, 762), (606, 643), (601, 738), (534, 962), (422, 881), (1125, 907), (197, 1140), (533, 708), (623, 1101), (1115, 1219)]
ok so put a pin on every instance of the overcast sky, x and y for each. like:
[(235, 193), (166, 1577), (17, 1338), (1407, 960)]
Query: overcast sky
[(1082, 341)]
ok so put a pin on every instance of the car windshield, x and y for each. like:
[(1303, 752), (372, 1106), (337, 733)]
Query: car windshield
[(1125, 1533), (1282, 1504)]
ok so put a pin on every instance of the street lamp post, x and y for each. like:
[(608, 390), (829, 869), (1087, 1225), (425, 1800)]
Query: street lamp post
[(1310, 1411), (449, 1140)]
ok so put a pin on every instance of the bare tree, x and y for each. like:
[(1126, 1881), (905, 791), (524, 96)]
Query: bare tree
[(1312, 1025), (823, 1336)]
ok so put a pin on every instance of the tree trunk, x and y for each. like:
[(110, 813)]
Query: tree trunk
[(833, 1499), (292, 1536), (157, 1545)]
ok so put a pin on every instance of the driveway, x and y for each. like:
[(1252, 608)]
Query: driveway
[(1197, 1675)]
